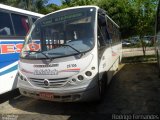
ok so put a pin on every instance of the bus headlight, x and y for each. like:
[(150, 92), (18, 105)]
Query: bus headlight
[(93, 68), (88, 73), (73, 80), (80, 77)]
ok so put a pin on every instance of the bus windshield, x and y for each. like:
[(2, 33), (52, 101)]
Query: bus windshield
[(60, 34)]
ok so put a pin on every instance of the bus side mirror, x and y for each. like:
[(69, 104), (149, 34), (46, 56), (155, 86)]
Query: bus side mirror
[(101, 21)]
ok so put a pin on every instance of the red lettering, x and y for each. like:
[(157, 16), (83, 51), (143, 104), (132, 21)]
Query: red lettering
[(19, 47), (7, 48), (12, 48)]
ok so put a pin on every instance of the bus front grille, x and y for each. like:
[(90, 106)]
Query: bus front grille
[(51, 82)]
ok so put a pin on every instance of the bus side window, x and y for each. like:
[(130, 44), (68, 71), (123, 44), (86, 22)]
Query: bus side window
[(101, 41), (21, 24), (110, 30), (5, 24), (103, 35)]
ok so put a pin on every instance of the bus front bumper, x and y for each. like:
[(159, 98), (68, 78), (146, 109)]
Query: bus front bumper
[(67, 96)]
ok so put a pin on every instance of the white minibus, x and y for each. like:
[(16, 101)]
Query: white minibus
[(70, 55)]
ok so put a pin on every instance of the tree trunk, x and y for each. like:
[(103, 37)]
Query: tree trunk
[(144, 50), (143, 46)]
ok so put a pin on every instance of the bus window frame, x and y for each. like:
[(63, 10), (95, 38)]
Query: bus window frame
[(12, 14), (29, 17), (11, 24), (105, 38), (113, 31)]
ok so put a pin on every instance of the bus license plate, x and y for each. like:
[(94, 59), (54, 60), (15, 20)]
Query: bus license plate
[(46, 96)]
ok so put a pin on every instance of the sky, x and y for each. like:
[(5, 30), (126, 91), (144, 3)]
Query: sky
[(57, 2)]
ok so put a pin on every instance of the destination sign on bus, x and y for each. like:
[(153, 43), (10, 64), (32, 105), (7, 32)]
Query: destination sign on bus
[(62, 18)]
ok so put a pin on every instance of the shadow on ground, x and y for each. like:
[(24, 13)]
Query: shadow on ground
[(9, 95)]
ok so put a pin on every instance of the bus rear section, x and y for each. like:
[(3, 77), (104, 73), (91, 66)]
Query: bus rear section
[(65, 65), (14, 25)]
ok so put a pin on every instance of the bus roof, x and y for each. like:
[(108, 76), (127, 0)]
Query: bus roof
[(14, 9), (73, 8)]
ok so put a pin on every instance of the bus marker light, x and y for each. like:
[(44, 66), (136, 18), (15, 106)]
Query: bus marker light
[(80, 77), (93, 68), (74, 80), (88, 73)]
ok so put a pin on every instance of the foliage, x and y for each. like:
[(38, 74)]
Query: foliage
[(48, 8), (145, 19), (72, 3), (122, 13), (40, 6), (145, 15)]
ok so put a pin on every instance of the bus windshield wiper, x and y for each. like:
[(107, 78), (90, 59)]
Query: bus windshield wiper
[(72, 48), (41, 53)]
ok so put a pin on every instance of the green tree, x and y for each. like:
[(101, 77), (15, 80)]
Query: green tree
[(71, 3), (122, 13), (31, 5), (10, 2), (49, 8), (145, 11)]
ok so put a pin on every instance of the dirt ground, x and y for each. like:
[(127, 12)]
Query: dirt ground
[(134, 90)]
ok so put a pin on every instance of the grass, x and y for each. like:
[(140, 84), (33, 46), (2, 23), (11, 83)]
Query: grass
[(147, 58)]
